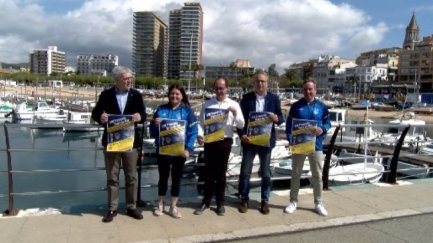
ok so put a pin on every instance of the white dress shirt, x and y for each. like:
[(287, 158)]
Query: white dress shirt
[(237, 120), (260, 103)]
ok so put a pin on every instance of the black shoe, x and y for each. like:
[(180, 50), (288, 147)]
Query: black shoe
[(133, 213), (108, 217), (220, 210), (200, 209)]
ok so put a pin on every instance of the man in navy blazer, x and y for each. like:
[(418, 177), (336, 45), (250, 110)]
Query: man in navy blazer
[(262, 101), (118, 100)]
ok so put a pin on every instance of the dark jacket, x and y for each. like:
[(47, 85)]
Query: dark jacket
[(317, 111), (183, 112), (272, 104), (107, 102)]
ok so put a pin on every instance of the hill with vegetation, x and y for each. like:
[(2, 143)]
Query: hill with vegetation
[(14, 65)]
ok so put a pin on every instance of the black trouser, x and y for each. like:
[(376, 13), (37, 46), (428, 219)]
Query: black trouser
[(216, 156), (164, 164)]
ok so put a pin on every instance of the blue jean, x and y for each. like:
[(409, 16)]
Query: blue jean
[(248, 154)]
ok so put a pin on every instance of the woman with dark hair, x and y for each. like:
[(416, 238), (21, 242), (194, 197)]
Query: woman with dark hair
[(177, 108)]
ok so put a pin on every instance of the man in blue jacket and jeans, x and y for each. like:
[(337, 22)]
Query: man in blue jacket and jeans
[(308, 108), (262, 101)]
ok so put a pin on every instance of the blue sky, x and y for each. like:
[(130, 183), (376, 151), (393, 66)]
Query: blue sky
[(59, 7), (280, 31), (396, 13)]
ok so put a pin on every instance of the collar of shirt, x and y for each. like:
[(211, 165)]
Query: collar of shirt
[(258, 97), (215, 101), (120, 93)]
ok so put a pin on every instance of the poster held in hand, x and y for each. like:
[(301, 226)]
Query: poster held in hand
[(303, 136), (215, 121), (259, 128), (120, 133), (172, 137)]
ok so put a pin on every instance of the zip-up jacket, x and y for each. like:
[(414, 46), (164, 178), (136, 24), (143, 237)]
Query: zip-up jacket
[(317, 111), (182, 112)]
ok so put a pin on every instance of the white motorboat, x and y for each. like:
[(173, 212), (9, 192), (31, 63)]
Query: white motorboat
[(337, 117), (50, 118), (362, 168), (41, 108), (284, 167), (280, 152), (415, 138), (359, 173), (80, 118)]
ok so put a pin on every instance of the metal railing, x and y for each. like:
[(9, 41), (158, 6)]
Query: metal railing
[(392, 178)]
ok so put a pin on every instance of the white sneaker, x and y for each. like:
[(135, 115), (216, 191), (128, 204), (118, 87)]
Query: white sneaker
[(321, 210), (158, 210), (291, 207), (174, 213)]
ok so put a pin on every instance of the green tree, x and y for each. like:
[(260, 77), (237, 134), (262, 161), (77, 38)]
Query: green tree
[(290, 74), (234, 67), (272, 71)]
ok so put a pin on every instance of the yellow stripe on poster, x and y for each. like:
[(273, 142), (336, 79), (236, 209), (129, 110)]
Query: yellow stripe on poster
[(215, 119), (259, 122), (172, 130), (122, 145), (171, 149), (304, 148), (214, 136), (303, 130), (262, 140), (120, 126)]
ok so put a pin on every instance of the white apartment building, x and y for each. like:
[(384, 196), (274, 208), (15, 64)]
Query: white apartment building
[(323, 69), (368, 75), (96, 64), (388, 56), (337, 76), (47, 61), (185, 41)]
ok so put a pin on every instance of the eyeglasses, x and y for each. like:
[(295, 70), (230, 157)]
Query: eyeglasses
[(219, 88), (127, 78), (261, 81)]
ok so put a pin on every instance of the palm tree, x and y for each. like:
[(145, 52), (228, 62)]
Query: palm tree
[(196, 67), (234, 66), (184, 68), (354, 80)]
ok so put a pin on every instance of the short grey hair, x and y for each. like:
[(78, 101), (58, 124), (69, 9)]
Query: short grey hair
[(258, 73), (120, 70)]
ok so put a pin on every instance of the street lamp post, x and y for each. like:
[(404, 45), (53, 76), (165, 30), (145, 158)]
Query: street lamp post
[(189, 68)]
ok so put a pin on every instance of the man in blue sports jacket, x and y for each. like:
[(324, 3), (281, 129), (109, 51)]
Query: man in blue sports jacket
[(262, 101), (308, 108)]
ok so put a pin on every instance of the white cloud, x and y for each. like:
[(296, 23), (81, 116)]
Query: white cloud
[(275, 31), (368, 36)]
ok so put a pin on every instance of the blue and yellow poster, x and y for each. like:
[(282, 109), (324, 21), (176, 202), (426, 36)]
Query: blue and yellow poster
[(215, 121), (303, 136), (120, 130), (259, 128), (172, 137)]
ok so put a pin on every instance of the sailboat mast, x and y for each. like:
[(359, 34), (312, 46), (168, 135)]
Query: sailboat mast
[(365, 139)]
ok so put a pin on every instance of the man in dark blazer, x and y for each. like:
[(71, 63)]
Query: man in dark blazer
[(262, 101), (118, 100)]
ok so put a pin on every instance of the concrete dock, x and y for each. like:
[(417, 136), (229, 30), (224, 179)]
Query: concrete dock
[(346, 205)]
